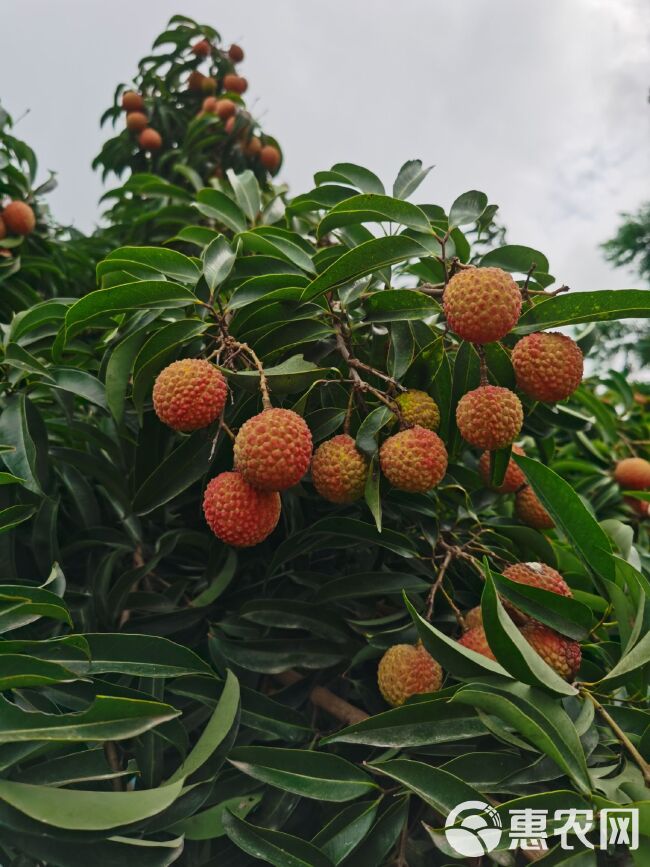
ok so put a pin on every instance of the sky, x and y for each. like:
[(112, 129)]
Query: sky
[(541, 104)]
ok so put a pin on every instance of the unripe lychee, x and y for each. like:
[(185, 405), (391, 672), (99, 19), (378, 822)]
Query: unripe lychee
[(538, 575), (529, 510), (513, 478), (414, 459), (547, 365), (489, 417), (236, 53), (417, 407), (235, 83), (406, 670), (19, 218), (474, 617), (273, 449), (482, 304), (136, 121), (202, 48), (209, 104), (150, 139), (339, 470), (225, 108), (195, 80), (132, 101), (238, 513), (633, 474), (270, 158), (562, 654), (475, 639), (189, 394), (253, 146)]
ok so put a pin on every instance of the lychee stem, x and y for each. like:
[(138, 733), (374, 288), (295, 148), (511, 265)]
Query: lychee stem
[(620, 735), (436, 584), (482, 358), (325, 699), (264, 385)]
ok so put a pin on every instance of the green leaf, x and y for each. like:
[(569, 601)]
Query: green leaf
[(220, 207), (171, 263), (274, 847), (310, 774), (393, 305), (634, 659), (218, 262), (142, 656), (437, 788), (21, 605), (516, 258), (409, 178), (562, 613), (467, 208), (27, 672), (360, 177), (375, 209), (22, 428), (578, 307), (80, 383), (293, 375), (209, 824), (14, 515), (346, 830), (247, 192)]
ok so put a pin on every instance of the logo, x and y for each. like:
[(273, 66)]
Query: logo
[(475, 834)]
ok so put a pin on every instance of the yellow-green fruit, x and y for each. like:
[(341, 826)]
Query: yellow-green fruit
[(530, 511), (406, 670), (417, 407), (414, 459), (562, 654), (490, 417), (513, 478), (273, 449), (339, 470), (548, 366), (633, 474), (475, 639), (239, 514), (189, 394), (482, 304)]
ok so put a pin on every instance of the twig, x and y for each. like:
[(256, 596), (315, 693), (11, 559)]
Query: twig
[(348, 412), (113, 759), (434, 289), (620, 735), (264, 385), (355, 363), (449, 555), (524, 289), (325, 699), (482, 357)]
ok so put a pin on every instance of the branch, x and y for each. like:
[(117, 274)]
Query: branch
[(264, 385), (325, 699), (449, 555), (356, 364), (620, 735)]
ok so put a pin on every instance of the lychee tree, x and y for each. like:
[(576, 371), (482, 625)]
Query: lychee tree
[(316, 527)]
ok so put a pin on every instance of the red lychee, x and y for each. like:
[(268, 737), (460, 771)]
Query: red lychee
[(273, 449), (19, 218), (209, 84), (474, 617), (150, 139), (136, 121), (482, 304), (238, 513), (548, 365), (132, 101), (406, 670), (489, 417), (414, 459), (202, 48), (339, 470), (236, 53), (418, 408), (235, 83), (3, 228), (189, 394), (633, 474), (230, 124), (195, 80), (209, 105), (530, 511), (253, 146), (225, 108), (270, 158), (538, 575), (562, 654), (513, 478), (475, 639), (641, 507)]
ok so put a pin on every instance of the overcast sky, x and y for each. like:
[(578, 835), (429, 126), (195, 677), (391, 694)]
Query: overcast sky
[(542, 104)]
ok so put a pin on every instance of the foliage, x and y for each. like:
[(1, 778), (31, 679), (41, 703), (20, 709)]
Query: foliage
[(169, 699), (630, 246)]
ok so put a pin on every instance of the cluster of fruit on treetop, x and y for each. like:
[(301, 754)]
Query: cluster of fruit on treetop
[(215, 97)]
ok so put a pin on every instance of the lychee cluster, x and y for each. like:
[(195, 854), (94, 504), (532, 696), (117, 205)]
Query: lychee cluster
[(406, 670), (633, 474), (137, 121)]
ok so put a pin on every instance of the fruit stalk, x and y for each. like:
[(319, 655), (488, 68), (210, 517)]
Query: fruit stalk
[(325, 699), (623, 739)]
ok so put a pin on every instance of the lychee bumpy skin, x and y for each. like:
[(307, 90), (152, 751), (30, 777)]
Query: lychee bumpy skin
[(489, 417), (189, 394), (475, 639), (562, 654), (414, 460), (482, 304), (418, 408), (548, 366), (513, 478), (406, 670), (538, 575), (237, 513), (530, 511), (273, 449), (339, 470)]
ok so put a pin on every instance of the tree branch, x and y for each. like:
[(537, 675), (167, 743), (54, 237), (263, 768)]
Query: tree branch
[(325, 699)]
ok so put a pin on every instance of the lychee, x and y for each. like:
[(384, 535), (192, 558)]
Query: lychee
[(253, 146), (475, 639), (236, 53), (189, 394), (414, 459), (225, 108), (538, 575), (641, 507), (562, 654), (195, 80), (209, 84), (19, 218), (548, 365), (230, 124), (406, 670), (270, 158), (530, 511), (474, 617), (339, 470), (235, 83), (202, 48), (3, 228), (209, 104), (239, 514), (513, 478), (633, 474), (417, 407), (150, 139), (136, 121), (273, 449), (489, 417), (482, 304), (132, 101)]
